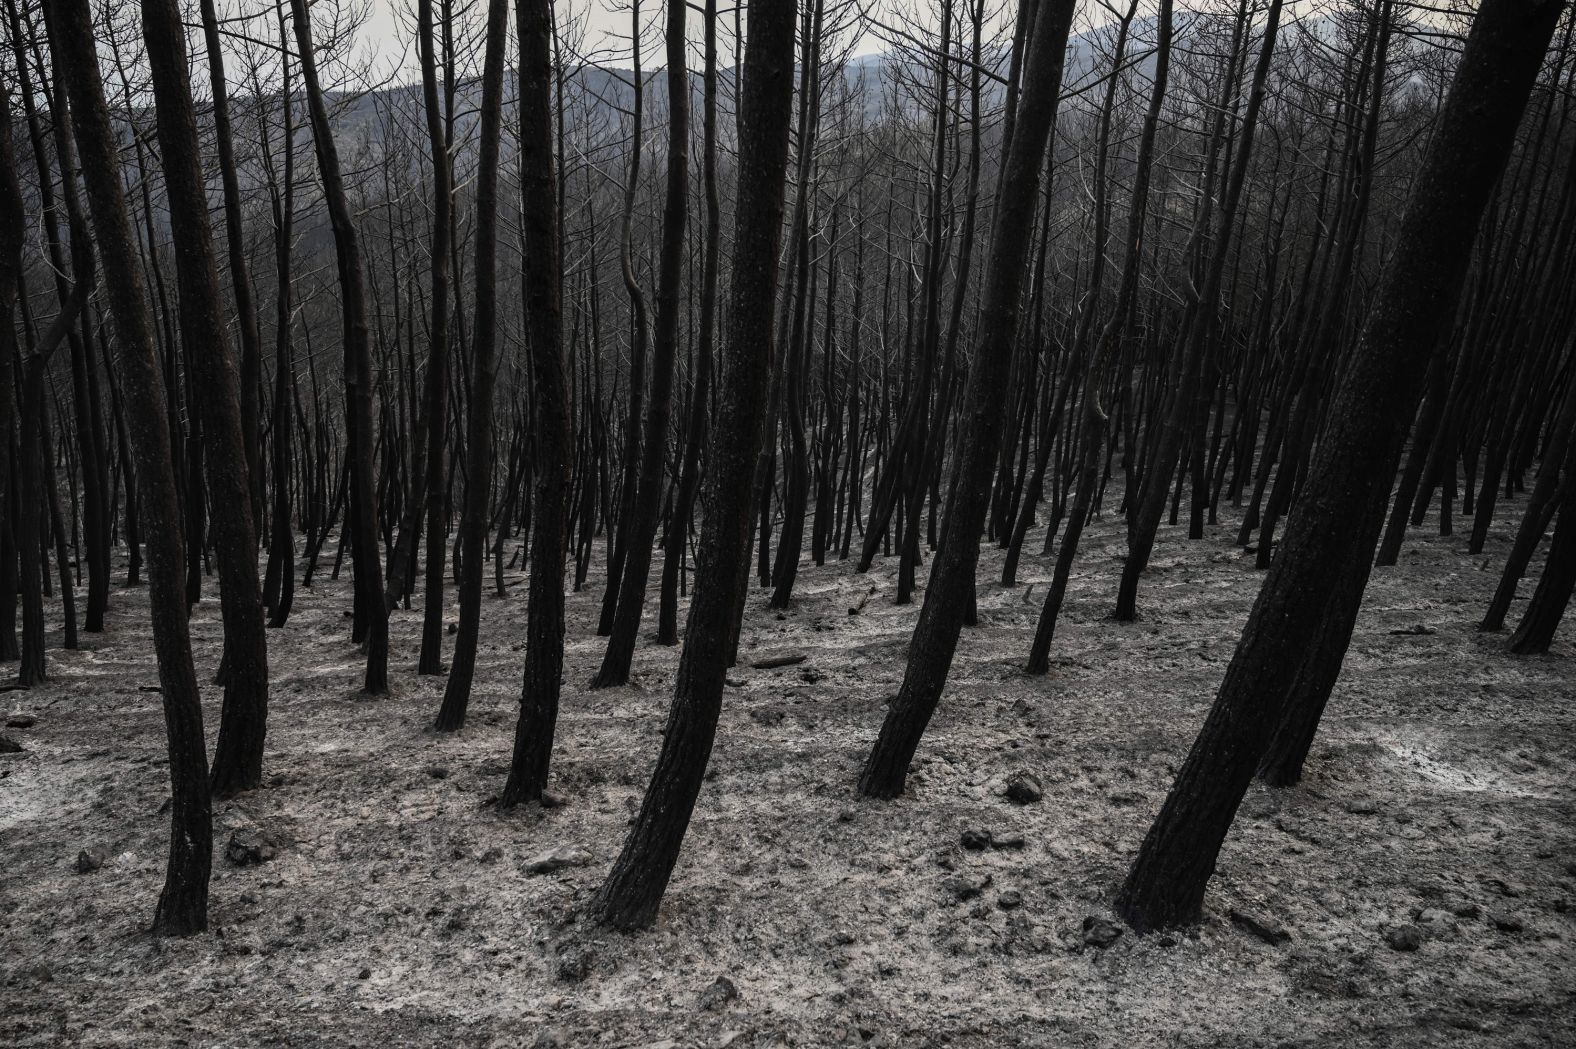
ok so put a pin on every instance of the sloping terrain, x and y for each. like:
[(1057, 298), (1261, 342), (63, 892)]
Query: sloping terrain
[(396, 907)]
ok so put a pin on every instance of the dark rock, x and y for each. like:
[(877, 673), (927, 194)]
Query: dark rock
[(1266, 929), (1505, 922), (364, 974), (575, 966), (437, 772), (248, 848), (1024, 788), (718, 995), (1467, 910), (1416, 629), (1100, 932), (91, 859), (557, 859), (9, 745), (965, 888), (1007, 841), (1404, 938), (1010, 900), (976, 840), (21, 721)]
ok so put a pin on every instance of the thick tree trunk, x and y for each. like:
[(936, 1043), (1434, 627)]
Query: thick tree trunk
[(544, 624), (948, 598), (183, 905), (1350, 475), (238, 759), (633, 891)]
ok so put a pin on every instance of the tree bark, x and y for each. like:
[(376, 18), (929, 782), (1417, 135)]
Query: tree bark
[(1351, 472), (633, 891)]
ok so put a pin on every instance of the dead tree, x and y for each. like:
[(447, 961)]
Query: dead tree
[(1350, 475), (238, 759), (479, 451), (641, 529), (544, 624), (633, 891), (950, 593), (361, 515), (183, 905)]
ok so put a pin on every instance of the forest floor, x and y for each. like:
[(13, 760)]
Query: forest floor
[(398, 908)]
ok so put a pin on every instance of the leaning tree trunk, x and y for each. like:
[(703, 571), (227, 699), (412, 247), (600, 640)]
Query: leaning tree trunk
[(1351, 472), (948, 598), (183, 905), (633, 891)]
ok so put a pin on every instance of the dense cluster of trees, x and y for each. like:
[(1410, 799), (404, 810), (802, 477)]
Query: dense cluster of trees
[(1313, 261)]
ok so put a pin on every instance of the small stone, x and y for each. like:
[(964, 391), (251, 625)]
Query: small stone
[(9, 745), (1166, 941), (1404, 938), (91, 859), (437, 772), (963, 889), (718, 995), (1100, 932), (1362, 806), (1007, 841), (364, 974), (21, 721), (1024, 788), (1263, 927), (734, 682), (1010, 900), (845, 816), (248, 848), (575, 966), (557, 859), (1467, 910), (976, 840), (1505, 922)]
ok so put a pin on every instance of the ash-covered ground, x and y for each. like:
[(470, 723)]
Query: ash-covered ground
[(1416, 890)]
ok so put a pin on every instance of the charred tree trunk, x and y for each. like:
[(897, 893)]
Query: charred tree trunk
[(1350, 475), (238, 759), (633, 891), (484, 372), (949, 595), (183, 905), (544, 625)]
